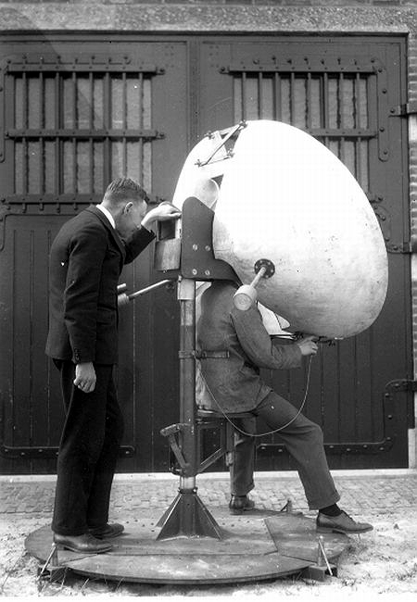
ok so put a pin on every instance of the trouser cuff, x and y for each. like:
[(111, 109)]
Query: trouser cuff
[(324, 502), (241, 492)]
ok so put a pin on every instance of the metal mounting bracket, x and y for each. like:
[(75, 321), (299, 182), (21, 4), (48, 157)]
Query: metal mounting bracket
[(171, 433), (404, 110), (405, 247)]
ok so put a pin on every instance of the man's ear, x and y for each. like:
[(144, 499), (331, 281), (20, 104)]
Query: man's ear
[(127, 207)]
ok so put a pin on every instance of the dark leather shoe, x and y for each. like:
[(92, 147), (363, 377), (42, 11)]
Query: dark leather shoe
[(340, 524), (85, 544), (240, 503), (107, 531)]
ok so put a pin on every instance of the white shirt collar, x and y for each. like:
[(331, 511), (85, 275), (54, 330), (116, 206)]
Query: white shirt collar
[(107, 214)]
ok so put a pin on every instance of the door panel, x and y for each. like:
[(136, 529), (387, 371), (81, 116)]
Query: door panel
[(341, 91), (77, 114)]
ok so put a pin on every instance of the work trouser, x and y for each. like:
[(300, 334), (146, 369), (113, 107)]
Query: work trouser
[(88, 452), (303, 440)]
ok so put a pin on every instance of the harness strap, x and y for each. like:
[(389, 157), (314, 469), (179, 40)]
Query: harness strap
[(202, 354)]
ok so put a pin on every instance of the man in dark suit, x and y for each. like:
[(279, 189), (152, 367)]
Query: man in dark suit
[(86, 260)]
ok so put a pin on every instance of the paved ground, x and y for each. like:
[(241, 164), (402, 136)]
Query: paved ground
[(363, 492)]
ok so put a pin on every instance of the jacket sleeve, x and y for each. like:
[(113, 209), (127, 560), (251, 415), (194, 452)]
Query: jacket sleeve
[(85, 261), (256, 343), (136, 243)]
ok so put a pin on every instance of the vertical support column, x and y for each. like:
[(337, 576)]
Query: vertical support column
[(187, 516), (186, 297)]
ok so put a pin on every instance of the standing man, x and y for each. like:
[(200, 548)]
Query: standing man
[(86, 260), (235, 346)]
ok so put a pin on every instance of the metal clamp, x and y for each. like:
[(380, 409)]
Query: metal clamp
[(171, 432), (232, 132)]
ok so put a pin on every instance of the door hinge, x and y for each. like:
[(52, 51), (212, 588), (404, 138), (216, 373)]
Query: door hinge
[(47, 452), (403, 386), (404, 110), (405, 247)]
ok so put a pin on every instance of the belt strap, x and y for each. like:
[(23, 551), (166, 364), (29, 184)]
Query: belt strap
[(203, 354)]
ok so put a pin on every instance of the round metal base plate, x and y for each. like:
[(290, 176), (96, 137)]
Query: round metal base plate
[(256, 546)]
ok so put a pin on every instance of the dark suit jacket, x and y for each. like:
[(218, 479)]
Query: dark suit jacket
[(233, 383), (87, 257)]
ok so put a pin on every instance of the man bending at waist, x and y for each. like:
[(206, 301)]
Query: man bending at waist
[(235, 346)]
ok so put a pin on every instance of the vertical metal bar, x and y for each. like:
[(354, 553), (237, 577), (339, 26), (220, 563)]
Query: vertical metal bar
[(292, 98), (57, 170), (260, 95), (340, 115), (25, 120), (91, 113), (309, 102), (340, 102), (10, 117), (358, 125), (244, 112), (75, 125), (41, 142), (186, 292), (325, 105), (141, 93), (124, 123), (237, 99), (277, 97), (107, 170), (371, 115), (357, 119), (91, 165), (91, 127)]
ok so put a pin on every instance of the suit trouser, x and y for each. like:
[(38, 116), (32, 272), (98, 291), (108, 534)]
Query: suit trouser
[(88, 452), (304, 442)]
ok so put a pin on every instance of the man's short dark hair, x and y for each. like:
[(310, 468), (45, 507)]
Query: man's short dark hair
[(122, 189)]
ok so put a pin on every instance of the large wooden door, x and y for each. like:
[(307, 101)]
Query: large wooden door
[(77, 113), (346, 92)]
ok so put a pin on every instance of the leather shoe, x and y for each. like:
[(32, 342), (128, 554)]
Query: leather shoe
[(240, 503), (85, 544), (340, 524), (107, 531)]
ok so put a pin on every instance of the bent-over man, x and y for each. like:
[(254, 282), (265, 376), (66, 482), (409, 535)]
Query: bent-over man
[(235, 346)]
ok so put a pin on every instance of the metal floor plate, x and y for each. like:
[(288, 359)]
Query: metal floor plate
[(258, 546)]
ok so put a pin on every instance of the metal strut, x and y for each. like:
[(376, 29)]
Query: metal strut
[(51, 569), (322, 567), (231, 133)]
